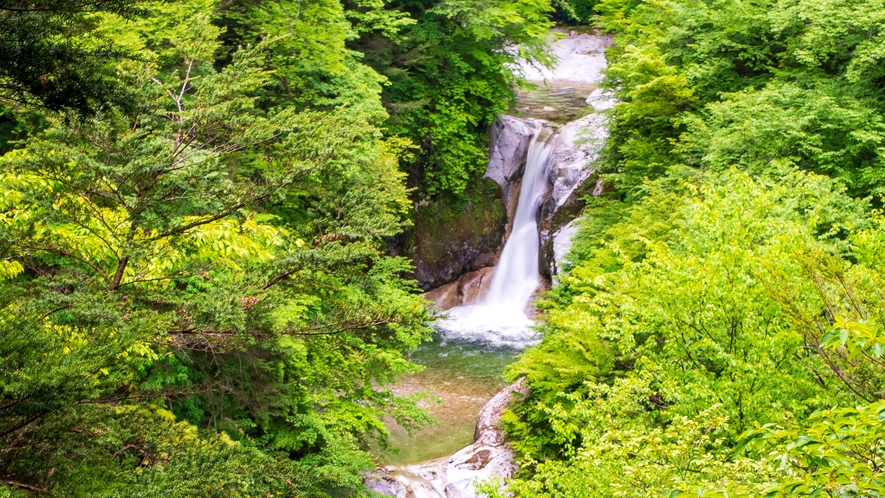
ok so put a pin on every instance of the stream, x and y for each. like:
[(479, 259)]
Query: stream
[(464, 364), (477, 340), (462, 377)]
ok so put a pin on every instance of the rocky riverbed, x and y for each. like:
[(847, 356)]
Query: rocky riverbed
[(488, 458)]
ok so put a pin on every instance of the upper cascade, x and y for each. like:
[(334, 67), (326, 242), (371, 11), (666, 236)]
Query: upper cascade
[(540, 166), (560, 93)]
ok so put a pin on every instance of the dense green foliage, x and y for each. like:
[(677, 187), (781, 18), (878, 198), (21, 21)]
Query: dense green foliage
[(195, 298), (636, 387), (718, 331), (448, 79), (716, 84), (197, 199), (47, 60)]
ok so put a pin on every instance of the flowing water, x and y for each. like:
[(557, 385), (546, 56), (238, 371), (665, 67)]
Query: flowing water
[(465, 362), (460, 378), (500, 319)]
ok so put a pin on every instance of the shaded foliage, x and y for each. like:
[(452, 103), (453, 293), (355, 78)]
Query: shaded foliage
[(47, 61), (449, 79)]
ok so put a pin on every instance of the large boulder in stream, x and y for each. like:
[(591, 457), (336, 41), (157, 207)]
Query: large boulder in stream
[(471, 288), (489, 457)]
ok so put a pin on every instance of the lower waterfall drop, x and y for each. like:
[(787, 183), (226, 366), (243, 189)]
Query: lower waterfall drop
[(500, 319)]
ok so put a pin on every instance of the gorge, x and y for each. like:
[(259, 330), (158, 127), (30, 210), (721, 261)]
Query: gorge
[(341, 248), (541, 167)]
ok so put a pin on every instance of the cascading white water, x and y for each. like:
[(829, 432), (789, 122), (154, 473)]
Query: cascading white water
[(501, 319), (516, 277)]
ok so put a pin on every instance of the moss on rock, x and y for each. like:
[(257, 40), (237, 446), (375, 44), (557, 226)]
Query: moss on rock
[(453, 235)]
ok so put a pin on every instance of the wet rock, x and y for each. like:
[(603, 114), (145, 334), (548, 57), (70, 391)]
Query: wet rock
[(489, 457), (469, 289), (509, 141), (601, 100), (386, 485), (487, 431), (562, 244), (476, 461), (577, 146)]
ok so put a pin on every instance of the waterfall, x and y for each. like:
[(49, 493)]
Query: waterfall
[(557, 161), (516, 277), (500, 319)]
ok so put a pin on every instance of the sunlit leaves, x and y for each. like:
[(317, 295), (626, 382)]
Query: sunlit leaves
[(717, 308), (858, 338), (837, 452), (212, 254)]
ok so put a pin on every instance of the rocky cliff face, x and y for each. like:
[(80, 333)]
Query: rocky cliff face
[(577, 148), (450, 247), (452, 237)]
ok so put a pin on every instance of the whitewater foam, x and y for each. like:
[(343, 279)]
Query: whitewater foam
[(500, 320)]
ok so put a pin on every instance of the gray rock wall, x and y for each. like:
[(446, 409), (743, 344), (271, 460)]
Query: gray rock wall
[(578, 145)]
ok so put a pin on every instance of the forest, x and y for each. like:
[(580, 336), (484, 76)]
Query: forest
[(719, 333), (200, 201)]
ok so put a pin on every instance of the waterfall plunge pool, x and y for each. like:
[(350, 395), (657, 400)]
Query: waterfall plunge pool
[(463, 365)]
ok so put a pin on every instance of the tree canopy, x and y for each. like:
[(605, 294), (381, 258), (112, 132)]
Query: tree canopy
[(47, 59), (718, 330), (196, 298)]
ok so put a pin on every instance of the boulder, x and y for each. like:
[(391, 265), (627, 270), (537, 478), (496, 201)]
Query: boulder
[(601, 100), (509, 141), (469, 289), (489, 457), (562, 244)]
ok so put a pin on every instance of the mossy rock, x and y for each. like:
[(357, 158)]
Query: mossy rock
[(454, 235)]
